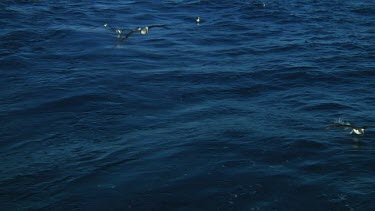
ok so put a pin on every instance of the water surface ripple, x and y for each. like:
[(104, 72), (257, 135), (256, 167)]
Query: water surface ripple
[(229, 114)]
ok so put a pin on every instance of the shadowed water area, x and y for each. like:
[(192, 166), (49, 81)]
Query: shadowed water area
[(230, 114)]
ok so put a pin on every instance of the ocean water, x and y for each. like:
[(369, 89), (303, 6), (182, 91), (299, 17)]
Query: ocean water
[(230, 114)]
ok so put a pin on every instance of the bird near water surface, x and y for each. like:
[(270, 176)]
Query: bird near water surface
[(198, 20), (119, 32), (140, 30), (345, 125)]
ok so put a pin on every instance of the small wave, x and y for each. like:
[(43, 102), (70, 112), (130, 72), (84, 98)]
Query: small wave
[(80, 102), (327, 107), (364, 11)]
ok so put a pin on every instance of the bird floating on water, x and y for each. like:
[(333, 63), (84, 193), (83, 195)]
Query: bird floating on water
[(198, 20), (344, 124), (142, 31)]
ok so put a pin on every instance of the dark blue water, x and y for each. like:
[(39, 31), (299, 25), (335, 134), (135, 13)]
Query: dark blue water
[(229, 114)]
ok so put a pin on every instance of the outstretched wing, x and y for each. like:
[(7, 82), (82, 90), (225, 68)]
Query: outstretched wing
[(159, 25), (125, 38), (110, 27), (106, 25), (119, 32), (341, 125)]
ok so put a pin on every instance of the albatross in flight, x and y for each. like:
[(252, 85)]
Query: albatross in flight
[(139, 30), (355, 129), (119, 32)]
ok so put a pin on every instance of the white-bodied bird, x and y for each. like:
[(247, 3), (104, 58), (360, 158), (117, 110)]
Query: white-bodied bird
[(198, 20), (355, 129), (119, 32), (142, 31)]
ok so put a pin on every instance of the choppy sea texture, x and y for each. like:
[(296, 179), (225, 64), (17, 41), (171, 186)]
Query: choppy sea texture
[(230, 114)]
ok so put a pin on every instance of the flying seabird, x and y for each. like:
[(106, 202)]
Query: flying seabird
[(117, 31), (140, 30), (355, 129)]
